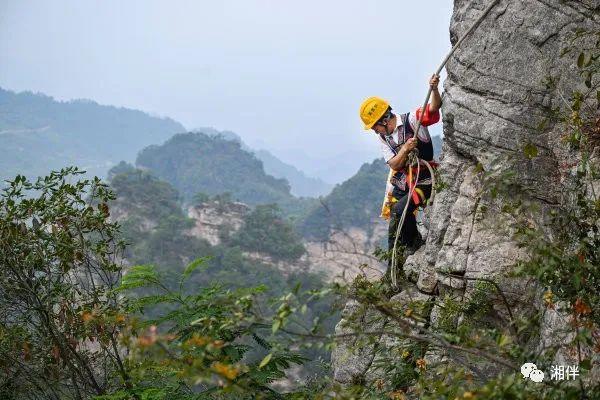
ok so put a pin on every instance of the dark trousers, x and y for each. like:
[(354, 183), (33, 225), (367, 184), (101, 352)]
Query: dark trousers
[(409, 235)]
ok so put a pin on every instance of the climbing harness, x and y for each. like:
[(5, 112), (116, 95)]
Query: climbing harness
[(413, 159), (399, 178)]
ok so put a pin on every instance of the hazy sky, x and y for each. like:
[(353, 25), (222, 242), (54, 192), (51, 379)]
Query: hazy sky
[(287, 76)]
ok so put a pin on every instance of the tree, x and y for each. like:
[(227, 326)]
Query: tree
[(72, 327), (59, 261), (265, 231)]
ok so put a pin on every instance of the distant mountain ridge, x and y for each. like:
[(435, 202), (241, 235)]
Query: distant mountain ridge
[(39, 133), (301, 184), (200, 163)]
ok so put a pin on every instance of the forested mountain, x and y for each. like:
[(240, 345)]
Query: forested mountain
[(39, 133), (262, 251), (196, 162), (355, 202), (301, 185), (151, 213), (214, 164)]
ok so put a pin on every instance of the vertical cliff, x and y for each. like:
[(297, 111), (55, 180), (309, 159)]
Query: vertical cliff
[(501, 86), (495, 99)]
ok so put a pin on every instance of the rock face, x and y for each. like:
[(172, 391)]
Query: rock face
[(213, 219), (346, 254), (495, 98)]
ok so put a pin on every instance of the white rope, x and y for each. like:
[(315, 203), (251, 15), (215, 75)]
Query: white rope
[(394, 266), (394, 271)]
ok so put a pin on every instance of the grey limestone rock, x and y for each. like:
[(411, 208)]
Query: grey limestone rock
[(353, 355), (494, 98)]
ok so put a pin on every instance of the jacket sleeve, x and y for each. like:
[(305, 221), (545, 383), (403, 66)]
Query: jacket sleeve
[(423, 133), (429, 118)]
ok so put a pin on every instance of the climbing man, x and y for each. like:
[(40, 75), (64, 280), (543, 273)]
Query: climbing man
[(397, 136)]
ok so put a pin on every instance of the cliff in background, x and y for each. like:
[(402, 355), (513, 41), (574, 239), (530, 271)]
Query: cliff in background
[(342, 256)]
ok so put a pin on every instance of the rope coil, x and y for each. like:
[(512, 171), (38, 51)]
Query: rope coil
[(394, 266)]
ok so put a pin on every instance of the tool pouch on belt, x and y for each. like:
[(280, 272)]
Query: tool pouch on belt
[(406, 181)]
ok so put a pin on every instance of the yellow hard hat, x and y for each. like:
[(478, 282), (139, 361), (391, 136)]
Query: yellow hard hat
[(371, 110)]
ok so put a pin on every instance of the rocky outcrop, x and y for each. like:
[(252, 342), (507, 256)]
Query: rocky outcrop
[(348, 253), (214, 219), (495, 97), (343, 256)]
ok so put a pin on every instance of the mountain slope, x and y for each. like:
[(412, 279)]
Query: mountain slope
[(196, 162), (353, 203), (38, 133), (301, 184)]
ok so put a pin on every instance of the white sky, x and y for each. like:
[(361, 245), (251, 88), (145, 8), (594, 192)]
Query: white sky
[(286, 76)]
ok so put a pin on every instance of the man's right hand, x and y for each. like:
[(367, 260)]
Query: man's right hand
[(409, 145), (397, 162)]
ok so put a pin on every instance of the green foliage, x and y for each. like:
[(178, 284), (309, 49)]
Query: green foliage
[(530, 150), (264, 230), (152, 220), (568, 265), (169, 246), (59, 264), (151, 197), (56, 235), (68, 320), (197, 348), (200, 198), (582, 118)]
